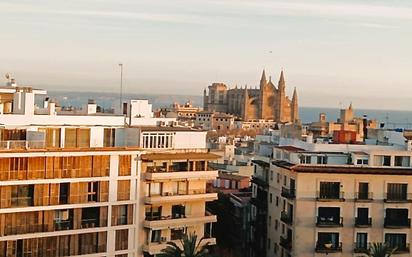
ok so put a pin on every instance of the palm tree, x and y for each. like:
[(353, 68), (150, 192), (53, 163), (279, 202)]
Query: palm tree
[(380, 250), (191, 248)]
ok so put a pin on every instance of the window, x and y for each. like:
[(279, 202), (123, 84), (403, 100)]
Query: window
[(362, 218), (362, 241), (397, 241), (155, 189), (276, 224), (155, 236), (153, 212), (177, 233), (285, 180), (363, 193), (329, 190), (64, 193), (397, 192), (22, 195), (92, 192), (402, 161), (270, 197), (63, 219), (397, 218), (305, 159), (322, 159), (277, 200), (386, 160), (271, 175), (329, 216), (270, 221), (122, 218), (277, 177), (328, 238)]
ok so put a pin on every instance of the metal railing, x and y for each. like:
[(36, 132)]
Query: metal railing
[(397, 223), (327, 247), (286, 243), (398, 197), (330, 196), (22, 144), (323, 221), (288, 193), (363, 222), (361, 247), (363, 196), (286, 217)]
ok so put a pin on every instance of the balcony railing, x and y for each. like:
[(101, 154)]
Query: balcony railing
[(363, 222), (360, 247), (90, 223), (398, 198), (329, 221), (288, 193), (325, 247), (22, 144), (397, 223), (286, 217), (363, 196), (330, 196), (402, 249), (286, 243), (63, 225)]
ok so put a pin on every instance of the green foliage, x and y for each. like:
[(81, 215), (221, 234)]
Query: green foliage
[(380, 250), (190, 248)]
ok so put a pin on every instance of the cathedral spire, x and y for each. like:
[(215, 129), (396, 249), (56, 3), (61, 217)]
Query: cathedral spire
[(295, 95), (281, 84), (263, 79)]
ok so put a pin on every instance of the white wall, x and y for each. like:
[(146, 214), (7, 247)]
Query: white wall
[(187, 139)]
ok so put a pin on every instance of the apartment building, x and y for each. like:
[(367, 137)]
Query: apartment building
[(91, 184), (337, 199), (338, 210)]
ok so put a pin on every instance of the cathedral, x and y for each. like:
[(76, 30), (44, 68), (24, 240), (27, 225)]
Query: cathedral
[(267, 102)]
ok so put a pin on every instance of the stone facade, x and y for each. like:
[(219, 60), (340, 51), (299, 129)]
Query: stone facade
[(268, 102)]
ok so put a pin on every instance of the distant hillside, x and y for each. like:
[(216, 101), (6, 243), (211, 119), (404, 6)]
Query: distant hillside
[(106, 100)]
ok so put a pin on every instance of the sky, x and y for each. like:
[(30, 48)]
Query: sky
[(334, 52)]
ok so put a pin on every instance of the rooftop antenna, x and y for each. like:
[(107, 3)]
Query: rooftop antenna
[(121, 87)]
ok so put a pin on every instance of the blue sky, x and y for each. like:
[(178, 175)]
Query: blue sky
[(333, 51)]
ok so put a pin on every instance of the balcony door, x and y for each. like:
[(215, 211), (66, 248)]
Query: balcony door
[(363, 191), (363, 216), (328, 238), (329, 190), (396, 240)]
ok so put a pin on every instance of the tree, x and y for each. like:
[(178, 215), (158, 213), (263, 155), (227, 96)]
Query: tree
[(380, 250), (191, 248)]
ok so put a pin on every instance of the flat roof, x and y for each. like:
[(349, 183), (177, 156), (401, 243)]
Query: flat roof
[(231, 176), (290, 148), (343, 169), (91, 149), (166, 128), (179, 156)]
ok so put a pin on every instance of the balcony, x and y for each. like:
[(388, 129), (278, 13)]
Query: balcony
[(157, 247), (329, 221), (397, 223), (330, 196), (286, 217), (361, 248), (398, 198), (286, 243), (171, 198), (288, 193), (203, 175), (363, 222), (63, 225), (325, 247), (168, 222), (363, 196)]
